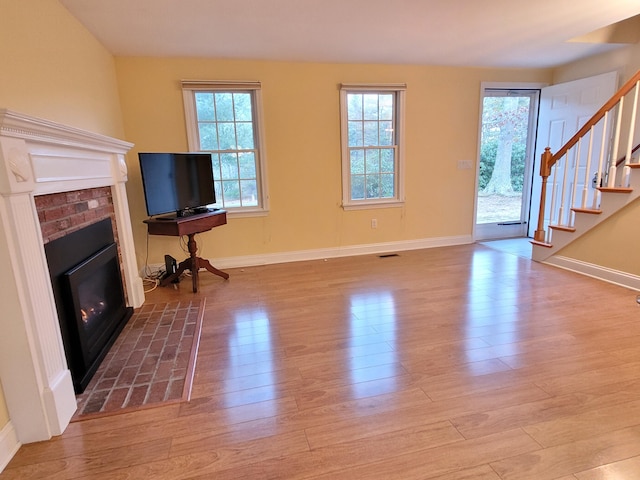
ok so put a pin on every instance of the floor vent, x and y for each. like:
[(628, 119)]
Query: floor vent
[(387, 255)]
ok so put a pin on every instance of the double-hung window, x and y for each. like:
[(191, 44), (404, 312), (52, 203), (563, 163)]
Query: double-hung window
[(224, 118), (372, 145)]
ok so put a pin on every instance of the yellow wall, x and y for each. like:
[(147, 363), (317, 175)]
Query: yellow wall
[(603, 245), (302, 125), (53, 68), (626, 61)]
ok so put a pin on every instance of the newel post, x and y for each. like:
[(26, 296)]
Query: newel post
[(545, 171)]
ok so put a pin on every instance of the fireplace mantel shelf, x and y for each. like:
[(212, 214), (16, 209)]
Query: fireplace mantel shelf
[(39, 157)]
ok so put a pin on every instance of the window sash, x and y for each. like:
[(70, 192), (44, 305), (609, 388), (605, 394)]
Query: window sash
[(190, 88)]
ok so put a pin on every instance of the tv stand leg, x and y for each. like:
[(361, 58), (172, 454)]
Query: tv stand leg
[(205, 263), (194, 263)]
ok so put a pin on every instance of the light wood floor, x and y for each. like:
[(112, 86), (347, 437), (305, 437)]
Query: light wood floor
[(450, 363)]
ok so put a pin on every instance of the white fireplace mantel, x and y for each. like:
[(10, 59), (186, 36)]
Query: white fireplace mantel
[(40, 157)]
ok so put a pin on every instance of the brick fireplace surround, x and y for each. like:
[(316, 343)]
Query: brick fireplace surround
[(39, 159)]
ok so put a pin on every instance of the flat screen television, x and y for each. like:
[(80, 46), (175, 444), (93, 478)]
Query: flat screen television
[(180, 183)]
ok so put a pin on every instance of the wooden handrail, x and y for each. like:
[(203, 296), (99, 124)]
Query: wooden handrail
[(626, 88)]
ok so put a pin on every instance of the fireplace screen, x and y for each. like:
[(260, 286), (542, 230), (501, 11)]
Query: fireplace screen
[(95, 290)]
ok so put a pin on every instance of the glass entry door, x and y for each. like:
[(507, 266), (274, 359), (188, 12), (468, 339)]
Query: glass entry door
[(507, 140)]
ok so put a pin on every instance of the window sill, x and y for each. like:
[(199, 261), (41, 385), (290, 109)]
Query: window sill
[(246, 213), (373, 205)]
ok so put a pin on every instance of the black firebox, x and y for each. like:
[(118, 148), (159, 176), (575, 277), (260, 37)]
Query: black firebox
[(89, 294)]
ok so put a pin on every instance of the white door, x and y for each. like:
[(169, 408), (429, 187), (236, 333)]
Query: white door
[(564, 108)]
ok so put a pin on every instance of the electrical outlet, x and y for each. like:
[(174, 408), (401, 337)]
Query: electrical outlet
[(374, 223), (465, 164)]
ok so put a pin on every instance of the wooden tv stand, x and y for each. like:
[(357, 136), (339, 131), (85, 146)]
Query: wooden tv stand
[(190, 226)]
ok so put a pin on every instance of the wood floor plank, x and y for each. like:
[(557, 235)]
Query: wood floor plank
[(354, 429), (553, 462), (576, 426), (483, 472), (623, 469), (236, 384), (447, 459), (337, 458), (551, 420), (321, 395), (210, 464), (238, 413), (490, 375), (81, 465), (601, 377), (202, 433)]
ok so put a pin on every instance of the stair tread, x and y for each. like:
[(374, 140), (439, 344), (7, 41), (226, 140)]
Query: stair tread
[(540, 244), (564, 228), (594, 211), (616, 189)]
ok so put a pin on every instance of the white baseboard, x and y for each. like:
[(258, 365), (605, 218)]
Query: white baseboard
[(596, 271), (9, 445), (334, 252)]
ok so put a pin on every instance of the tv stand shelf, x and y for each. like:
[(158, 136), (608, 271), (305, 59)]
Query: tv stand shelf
[(190, 226)]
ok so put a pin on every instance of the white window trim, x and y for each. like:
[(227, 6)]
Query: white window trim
[(188, 89), (398, 201)]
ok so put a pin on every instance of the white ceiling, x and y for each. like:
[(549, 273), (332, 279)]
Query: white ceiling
[(492, 33)]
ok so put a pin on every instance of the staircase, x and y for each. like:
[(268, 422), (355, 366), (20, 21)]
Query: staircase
[(587, 180)]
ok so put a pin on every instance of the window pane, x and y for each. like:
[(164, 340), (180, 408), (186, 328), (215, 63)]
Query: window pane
[(231, 193), (387, 186), (386, 107), (355, 134), (357, 162), (217, 187), (387, 163), (371, 106), (204, 107), (227, 136), (371, 133), (242, 106), (373, 161), (224, 107), (373, 186), (354, 106), (229, 165), (245, 135), (215, 159), (208, 136), (247, 165), (386, 133), (249, 193), (357, 187)]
